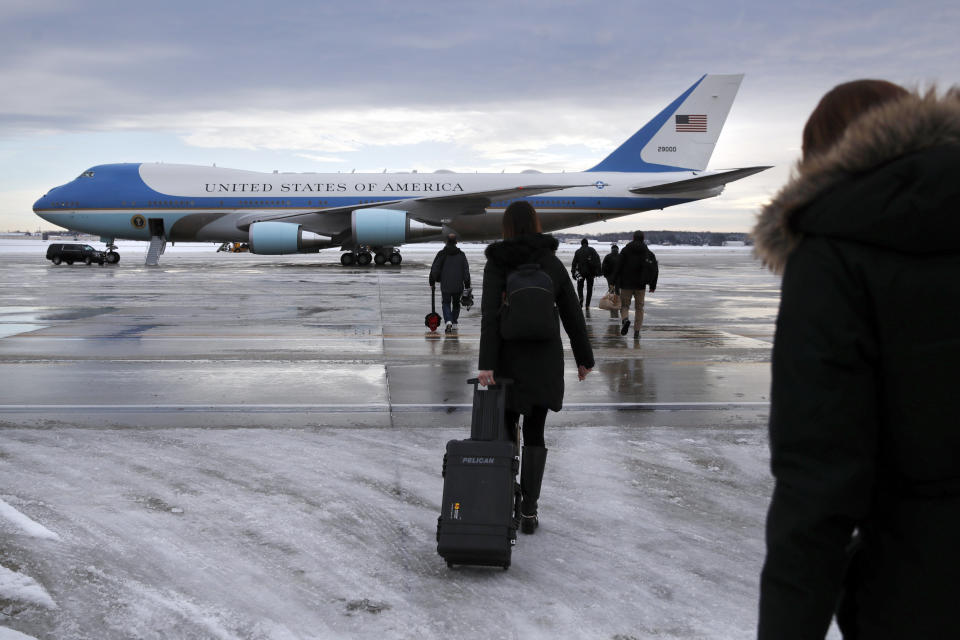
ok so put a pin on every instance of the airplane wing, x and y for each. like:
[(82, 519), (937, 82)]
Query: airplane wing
[(466, 202), (699, 183), (502, 194), (435, 208)]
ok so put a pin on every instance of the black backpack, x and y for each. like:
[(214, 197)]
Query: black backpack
[(651, 270), (529, 311), (595, 267)]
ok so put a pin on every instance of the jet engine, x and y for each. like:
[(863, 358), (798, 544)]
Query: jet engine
[(276, 238), (388, 228)]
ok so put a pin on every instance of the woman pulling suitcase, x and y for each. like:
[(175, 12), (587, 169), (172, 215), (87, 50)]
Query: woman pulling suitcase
[(534, 364)]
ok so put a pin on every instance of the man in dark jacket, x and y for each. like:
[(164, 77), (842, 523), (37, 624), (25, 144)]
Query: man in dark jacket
[(451, 271), (863, 420), (609, 267), (585, 266), (635, 271)]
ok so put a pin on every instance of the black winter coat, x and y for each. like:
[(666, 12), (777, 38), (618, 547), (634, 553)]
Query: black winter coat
[(629, 273), (864, 425), (535, 366), (586, 263), (450, 269), (609, 266)]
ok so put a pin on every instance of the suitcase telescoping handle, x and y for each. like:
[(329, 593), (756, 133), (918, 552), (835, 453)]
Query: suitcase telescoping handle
[(488, 421), (501, 382)]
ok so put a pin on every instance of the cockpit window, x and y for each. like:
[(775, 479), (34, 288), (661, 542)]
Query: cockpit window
[(86, 174)]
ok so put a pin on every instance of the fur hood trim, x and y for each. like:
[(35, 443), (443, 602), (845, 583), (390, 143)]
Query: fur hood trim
[(908, 125), (517, 251)]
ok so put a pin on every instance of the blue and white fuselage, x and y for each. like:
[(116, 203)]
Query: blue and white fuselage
[(662, 165)]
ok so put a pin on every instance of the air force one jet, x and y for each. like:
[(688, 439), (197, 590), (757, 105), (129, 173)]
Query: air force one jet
[(370, 215)]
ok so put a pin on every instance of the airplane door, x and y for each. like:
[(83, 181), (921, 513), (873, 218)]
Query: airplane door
[(156, 226)]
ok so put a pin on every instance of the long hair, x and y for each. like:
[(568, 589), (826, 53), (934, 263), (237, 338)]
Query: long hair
[(519, 219), (842, 105)]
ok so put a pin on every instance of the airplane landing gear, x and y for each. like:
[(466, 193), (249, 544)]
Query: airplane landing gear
[(364, 257), (388, 254), (360, 258), (112, 256)]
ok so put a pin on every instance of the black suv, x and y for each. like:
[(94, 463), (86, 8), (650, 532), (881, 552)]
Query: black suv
[(71, 253)]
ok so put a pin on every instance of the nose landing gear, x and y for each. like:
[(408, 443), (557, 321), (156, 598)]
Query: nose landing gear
[(112, 256)]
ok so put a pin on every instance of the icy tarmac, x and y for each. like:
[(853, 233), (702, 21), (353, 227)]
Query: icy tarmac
[(249, 447)]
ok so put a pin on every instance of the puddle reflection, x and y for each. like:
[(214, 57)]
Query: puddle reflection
[(627, 376)]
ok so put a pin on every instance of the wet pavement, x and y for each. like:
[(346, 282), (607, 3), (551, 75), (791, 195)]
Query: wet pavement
[(237, 446), (242, 340)]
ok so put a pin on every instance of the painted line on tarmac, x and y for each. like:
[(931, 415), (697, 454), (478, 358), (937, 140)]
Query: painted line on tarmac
[(376, 407), (373, 337)]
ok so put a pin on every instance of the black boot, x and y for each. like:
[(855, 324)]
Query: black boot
[(531, 476)]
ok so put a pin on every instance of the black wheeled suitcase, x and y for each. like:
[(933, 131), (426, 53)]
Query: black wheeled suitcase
[(480, 512)]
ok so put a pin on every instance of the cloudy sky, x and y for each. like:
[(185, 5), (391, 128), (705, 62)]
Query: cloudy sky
[(468, 86)]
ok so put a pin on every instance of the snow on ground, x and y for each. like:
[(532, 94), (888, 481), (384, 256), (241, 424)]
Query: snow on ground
[(25, 524), (11, 634), (18, 587), (251, 534)]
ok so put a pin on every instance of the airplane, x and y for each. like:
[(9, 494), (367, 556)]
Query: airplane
[(370, 215)]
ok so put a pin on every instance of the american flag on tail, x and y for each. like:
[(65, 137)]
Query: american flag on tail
[(694, 123)]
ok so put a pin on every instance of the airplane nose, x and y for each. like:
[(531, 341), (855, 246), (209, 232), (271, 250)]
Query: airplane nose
[(41, 207)]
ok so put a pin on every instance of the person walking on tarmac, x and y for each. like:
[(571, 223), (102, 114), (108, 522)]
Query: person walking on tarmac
[(450, 269), (608, 268), (535, 366), (636, 269), (585, 266)]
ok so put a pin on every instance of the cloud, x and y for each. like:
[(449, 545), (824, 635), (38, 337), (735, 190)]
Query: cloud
[(12, 9), (16, 209), (528, 135), (323, 159), (542, 84)]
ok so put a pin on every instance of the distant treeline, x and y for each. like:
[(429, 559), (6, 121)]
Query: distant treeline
[(698, 238)]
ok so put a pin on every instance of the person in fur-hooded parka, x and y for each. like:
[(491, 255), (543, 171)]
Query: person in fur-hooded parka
[(535, 366), (864, 438)]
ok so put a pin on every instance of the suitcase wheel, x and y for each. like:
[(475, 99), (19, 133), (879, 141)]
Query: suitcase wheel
[(449, 565)]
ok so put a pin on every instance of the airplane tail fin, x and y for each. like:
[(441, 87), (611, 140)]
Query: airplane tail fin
[(682, 136)]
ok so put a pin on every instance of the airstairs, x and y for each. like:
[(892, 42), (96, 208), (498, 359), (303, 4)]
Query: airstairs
[(158, 245)]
